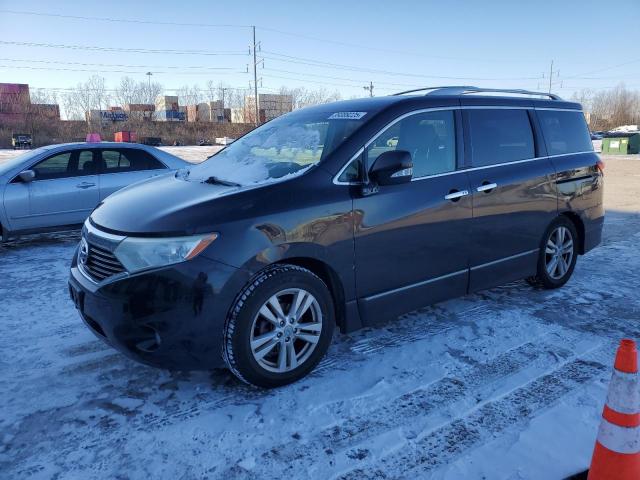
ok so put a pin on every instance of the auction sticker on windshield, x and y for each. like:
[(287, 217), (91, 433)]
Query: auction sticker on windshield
[(347, 115)]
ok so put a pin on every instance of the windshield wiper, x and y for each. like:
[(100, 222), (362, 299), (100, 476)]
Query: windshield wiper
[(215, 180)]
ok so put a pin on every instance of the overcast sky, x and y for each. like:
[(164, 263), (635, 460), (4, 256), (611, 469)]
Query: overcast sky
[(339, 45)]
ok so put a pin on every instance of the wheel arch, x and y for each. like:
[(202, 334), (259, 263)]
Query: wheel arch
[(330, 277), (579, 225)]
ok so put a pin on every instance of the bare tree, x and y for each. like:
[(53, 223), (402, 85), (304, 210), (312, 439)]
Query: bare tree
[(615, 107), (190, 95), (90, 95), (303, 97)]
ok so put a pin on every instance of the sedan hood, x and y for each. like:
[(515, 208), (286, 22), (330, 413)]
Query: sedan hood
[(163, 205)]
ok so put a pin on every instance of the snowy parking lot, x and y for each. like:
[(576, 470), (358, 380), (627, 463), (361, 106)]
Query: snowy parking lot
[(504, 384)]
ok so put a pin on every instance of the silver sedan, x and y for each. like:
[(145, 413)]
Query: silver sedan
[(56, 187)]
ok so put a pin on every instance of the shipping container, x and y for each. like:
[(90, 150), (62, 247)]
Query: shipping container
[(125, 136)]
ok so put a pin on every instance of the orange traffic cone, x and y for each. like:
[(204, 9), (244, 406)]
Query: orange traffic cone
[(617, 451)]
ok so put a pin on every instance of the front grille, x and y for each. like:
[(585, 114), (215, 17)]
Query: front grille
[(101, 263)]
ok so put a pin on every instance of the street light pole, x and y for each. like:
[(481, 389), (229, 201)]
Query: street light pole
[(148, 74)]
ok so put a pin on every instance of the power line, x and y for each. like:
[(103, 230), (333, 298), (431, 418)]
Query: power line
[(128, 50), (338, 66), (605, 69), (125, 20), (263, 28), (199, 67), (358, 82), (27, 67)]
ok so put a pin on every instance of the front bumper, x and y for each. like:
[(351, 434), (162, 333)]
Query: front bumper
[(171, 317)]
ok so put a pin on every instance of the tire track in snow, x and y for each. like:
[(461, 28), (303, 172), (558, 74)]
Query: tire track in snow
[(342, 358), (445, 444), (414, 406)]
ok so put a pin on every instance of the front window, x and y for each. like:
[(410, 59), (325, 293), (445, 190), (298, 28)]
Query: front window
[(286, 146)]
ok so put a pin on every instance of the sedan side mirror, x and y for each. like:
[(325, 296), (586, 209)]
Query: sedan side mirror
[(27, 175), (392, 168)]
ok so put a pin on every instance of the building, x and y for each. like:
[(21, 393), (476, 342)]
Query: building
[(167, 109), (208, 112), (140, 111), (47, 110), (106, 116), (16, 106), (237, 115), (270, 106)]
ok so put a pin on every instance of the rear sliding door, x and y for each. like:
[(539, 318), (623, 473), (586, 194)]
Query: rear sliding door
[(514, 194)]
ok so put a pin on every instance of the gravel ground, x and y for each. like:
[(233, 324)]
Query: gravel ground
[(504, 384)]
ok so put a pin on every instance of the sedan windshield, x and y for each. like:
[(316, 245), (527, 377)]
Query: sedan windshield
[(279, 149)]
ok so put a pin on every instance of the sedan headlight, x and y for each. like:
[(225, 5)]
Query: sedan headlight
[(138, 253)]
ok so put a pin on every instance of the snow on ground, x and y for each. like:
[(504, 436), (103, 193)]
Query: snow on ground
[(192, 154), (504, 384)]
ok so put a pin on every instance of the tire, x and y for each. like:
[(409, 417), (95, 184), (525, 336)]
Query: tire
[(554, 274), (258, 334)]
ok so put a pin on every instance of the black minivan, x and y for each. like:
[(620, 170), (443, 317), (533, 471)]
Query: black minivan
[(342, 215)]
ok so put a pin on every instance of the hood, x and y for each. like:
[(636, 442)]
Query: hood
[(163, 206)]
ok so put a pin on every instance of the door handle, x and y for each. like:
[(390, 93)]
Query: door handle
[(84, 185), (486, 187), (454, 195)]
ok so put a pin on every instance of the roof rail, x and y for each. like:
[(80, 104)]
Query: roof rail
[(464, 89)]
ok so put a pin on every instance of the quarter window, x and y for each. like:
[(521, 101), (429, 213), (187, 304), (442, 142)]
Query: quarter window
[(500, 136), (565, 132), (429, 137), (353, 171)]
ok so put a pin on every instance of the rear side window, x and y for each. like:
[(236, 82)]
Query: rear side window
[(133, 160), (500, 136), (565, 132)]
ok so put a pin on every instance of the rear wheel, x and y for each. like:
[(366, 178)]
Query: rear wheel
[(558, 254), (280, 327)]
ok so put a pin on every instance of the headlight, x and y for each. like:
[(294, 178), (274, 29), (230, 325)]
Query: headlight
[(138, 253)]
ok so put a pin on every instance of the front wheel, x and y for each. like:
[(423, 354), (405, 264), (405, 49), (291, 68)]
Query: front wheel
[(558, 255), (279, 328)]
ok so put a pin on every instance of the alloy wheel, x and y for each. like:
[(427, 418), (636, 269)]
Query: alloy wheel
[(286, 330), (559, 252)]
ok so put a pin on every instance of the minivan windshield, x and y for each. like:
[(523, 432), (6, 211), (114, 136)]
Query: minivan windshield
[(279, 149)]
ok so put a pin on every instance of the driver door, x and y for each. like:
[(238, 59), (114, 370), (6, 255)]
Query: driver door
[(412, 240), (63, 192)]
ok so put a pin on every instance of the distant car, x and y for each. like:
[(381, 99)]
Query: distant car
[(56, 187), (152, 141), (21, 141), (596, 136)]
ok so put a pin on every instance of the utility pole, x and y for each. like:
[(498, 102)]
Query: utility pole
[(550, 76), (369, 88), (255, 77)]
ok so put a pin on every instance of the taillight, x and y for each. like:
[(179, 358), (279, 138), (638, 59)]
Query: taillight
[(600, 166)]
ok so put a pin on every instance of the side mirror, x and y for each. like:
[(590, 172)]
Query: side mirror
[(392, 168), (27, 175)]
